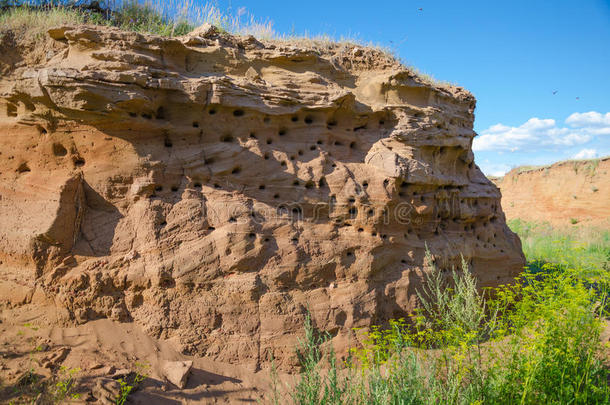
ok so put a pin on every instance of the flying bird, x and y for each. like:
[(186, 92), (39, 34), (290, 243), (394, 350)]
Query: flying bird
[(555, 92), (420, 9), (577, 98)]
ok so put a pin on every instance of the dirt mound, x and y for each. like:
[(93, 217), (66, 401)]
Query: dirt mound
[(563, 193), (214, 188)]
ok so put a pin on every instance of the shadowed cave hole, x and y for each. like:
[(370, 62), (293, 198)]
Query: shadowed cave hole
[(59, 149), (23, 168)]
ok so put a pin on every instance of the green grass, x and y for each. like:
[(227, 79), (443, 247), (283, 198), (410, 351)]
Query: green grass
[(536, 341), (581, 247), (37, 22), (166, 18)]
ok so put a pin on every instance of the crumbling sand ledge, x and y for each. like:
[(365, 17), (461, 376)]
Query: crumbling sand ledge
[(211, 188)]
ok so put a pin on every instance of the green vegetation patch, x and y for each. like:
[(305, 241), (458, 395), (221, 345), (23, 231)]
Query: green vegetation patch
[(586, 248)]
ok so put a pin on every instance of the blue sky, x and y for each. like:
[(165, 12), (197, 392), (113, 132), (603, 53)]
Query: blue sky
[(512, 55)]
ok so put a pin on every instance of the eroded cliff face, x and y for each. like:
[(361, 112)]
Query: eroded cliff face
[(561, 194), (213, 188)]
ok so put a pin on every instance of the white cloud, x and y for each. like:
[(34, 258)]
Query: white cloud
[(586, 154), (536, 133), (596, 123)]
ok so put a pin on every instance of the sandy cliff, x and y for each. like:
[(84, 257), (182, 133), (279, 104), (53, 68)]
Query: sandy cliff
[(563, 193), (212, 188)]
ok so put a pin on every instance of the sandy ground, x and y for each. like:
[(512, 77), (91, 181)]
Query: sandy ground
[(101, 348)]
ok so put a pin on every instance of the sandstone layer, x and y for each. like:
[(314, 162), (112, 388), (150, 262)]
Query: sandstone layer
[(213, 189), (564, 193)]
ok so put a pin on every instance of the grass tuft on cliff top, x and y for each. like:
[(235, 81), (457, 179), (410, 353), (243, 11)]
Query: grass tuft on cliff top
[(170, 18)]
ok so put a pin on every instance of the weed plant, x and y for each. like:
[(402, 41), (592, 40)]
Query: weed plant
[(536, 341)]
